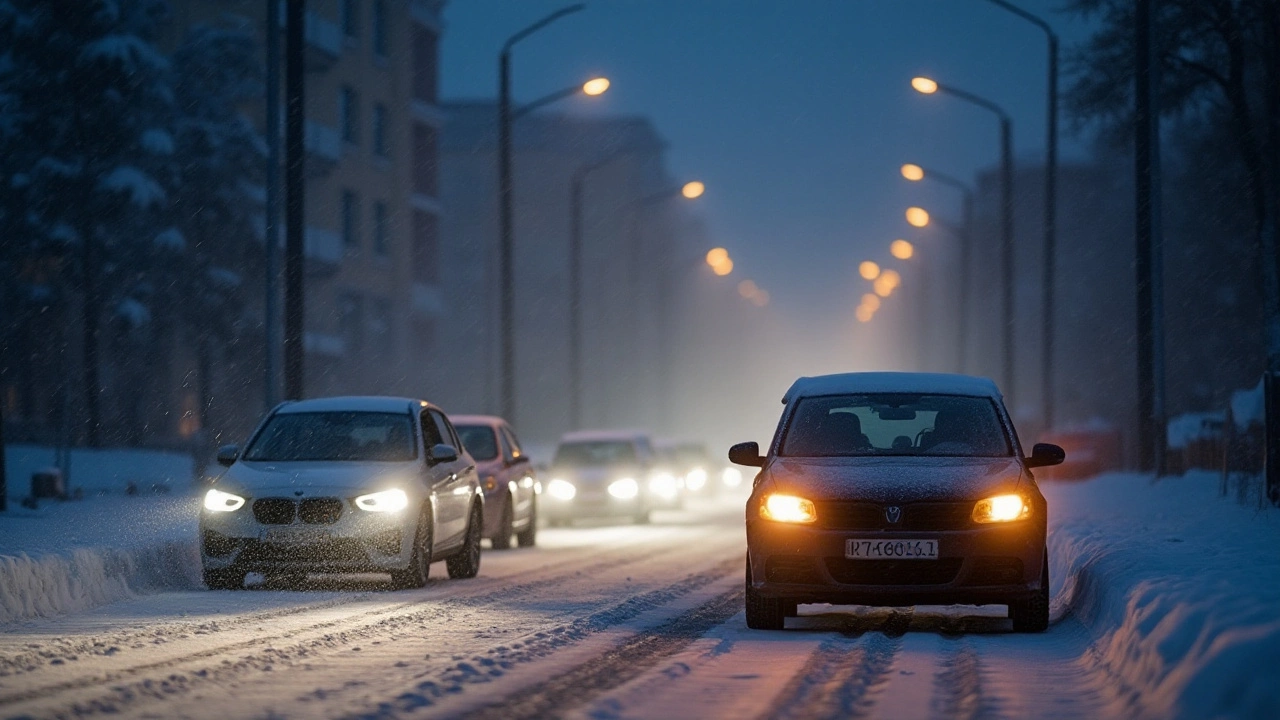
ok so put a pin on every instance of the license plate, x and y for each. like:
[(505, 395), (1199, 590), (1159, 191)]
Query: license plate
[(295, 536), (858, 549)]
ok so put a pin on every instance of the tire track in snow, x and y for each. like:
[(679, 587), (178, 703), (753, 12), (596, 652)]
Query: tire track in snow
[(958, 691)]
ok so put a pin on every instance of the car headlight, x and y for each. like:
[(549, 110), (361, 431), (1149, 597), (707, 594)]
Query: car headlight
[(385, 501), (696, 478), (788, 509), (1002, 508), (218, 501), (664, 484), (561, 489), (732, 477), (624, 489)]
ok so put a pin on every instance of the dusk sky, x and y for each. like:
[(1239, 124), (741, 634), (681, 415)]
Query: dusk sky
[(797, 114)]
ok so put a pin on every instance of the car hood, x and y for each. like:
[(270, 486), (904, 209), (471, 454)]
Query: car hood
[(896, 480), (303, 479)]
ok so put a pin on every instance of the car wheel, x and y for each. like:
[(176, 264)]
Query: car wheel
[(642, 517), (415, 576), (1032, 615), (502, 541), (529, 536), (466, 564), (763, 613), (228, 579)]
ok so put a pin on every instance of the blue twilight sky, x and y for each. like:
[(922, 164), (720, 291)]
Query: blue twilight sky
[(796, 113)]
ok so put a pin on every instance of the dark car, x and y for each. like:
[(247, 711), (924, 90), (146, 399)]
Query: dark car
[(896, 489), (507, 476)]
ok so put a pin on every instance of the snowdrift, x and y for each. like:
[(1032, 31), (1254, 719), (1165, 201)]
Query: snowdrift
[(1180, 589)]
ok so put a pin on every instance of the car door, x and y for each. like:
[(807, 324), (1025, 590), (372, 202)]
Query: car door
[(519, 471), (453, 500)]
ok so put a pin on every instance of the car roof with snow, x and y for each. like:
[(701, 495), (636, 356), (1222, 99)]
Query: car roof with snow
[(354, 403), (490, 420), (603, 436), (892, 382)]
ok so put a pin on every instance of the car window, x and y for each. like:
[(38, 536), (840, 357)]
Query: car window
[(335, 436), (510, 435), (895, 424), (444, 429), (479, 440), (430, 433), (596, 452)]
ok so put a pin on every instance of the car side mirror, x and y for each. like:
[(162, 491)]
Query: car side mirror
[(1046, 454), (227, 455), (443, 453), (747, 453)]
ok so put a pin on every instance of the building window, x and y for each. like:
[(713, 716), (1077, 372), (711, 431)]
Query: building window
[(350, 324), (351, 19), (425, 247), (381, 229), (380, 28), (425, 56), (424, 160), (350, 219), (349, 115), (380, 334), (380, 130)]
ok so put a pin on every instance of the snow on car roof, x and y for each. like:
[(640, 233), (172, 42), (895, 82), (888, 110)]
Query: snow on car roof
[(602, 435), (353, 403), (490, 420), (892, 382)]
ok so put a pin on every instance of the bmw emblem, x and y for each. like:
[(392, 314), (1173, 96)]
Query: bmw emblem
[(893, 513)]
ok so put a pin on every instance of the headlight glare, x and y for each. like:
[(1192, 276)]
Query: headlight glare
[(385, 501), (664, 484), (788, 509), (696, 479), (1002, 508), (218, 501), (624, 489), (561, 489), (732, 477)]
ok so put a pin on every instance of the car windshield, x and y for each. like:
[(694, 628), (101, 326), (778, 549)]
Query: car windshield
[(598, 452), (335, 436), (692, 455), (479, 440), (896, 424)]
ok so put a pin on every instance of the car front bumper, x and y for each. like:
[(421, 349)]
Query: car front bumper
[(590, 504), (985, 565)]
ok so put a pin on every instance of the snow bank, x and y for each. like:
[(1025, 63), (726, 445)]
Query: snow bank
[(1181, 590), (105, 471)]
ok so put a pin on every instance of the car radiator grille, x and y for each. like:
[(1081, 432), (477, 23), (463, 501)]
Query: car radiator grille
[(337, 550), (915, 516), (894, 572), (282, 511), (274, 511), (320, 511)]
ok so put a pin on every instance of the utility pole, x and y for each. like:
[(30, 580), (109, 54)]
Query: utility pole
[(4, 484), (1149, 244), (1006, 257), (270, 307), (506, 246), (293, 261)]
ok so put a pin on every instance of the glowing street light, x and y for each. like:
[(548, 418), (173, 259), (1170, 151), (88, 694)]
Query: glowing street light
[(872, 301), (869, 270), (924, 85), (901, 249), (917, 217), (883, 287), (864, 313), (891, 277), (595, 86), (912, 172), (693, 189), (715, 256), (747, 289)]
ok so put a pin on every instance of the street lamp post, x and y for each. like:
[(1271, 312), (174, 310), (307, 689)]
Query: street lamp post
[(1048, 310), (506, 245), (928, 87)]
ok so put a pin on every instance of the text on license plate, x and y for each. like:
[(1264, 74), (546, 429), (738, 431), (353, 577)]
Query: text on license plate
[(296, 536), (856, 549)]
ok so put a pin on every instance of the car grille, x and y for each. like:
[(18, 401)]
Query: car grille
[(274, 511), (995, 571), (915, 516), (337, 550), (282, 511), (894, 572), (791, 569), (320, 511)]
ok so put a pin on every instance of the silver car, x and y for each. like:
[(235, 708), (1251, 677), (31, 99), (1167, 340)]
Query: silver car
[(344, 484)]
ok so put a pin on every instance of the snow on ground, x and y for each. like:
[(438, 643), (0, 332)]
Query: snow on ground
[(100, 471)]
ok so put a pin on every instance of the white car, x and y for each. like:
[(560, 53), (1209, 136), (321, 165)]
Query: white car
[(606, 473), (344, 484)]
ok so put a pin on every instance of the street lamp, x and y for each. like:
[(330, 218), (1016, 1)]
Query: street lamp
[(506, 211), (901, 249), (869, 270), (917, 217), (1050, 208), (916, 173), (928, 86)]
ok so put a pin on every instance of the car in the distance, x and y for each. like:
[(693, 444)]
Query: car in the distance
[(344, 485), (602, 473), (507, 476), (896, 489)]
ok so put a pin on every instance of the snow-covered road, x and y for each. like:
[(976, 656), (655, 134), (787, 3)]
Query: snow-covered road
[(597, 622)]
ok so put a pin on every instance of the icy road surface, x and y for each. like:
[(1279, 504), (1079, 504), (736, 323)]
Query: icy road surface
[(607, 621)]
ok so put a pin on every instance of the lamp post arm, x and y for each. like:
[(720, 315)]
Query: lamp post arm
[(1033, 19), (979, 101), (568, 10), (946, 179), (544, 101)]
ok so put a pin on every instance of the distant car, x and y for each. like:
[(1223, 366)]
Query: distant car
[(603, 474), (507, 476), (344, 484), (695, 467), (896, 489), (666, 479)]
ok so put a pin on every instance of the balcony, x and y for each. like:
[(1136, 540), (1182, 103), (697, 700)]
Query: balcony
[(324, 148), (323, 41), (323, 250)]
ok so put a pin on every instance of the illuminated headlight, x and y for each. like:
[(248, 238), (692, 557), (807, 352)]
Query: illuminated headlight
[(731, 477), (1002, 508), (385, 501), (218, 501), (561, 489), (696, 479), (788, 509), (624, 489), (664, 484)]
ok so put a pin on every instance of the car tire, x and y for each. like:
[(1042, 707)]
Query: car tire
[(642, 517), (228, 579), (529, 536), (1032, 615), (466, 564), (502, 541), (419, 570), (763, 613)]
